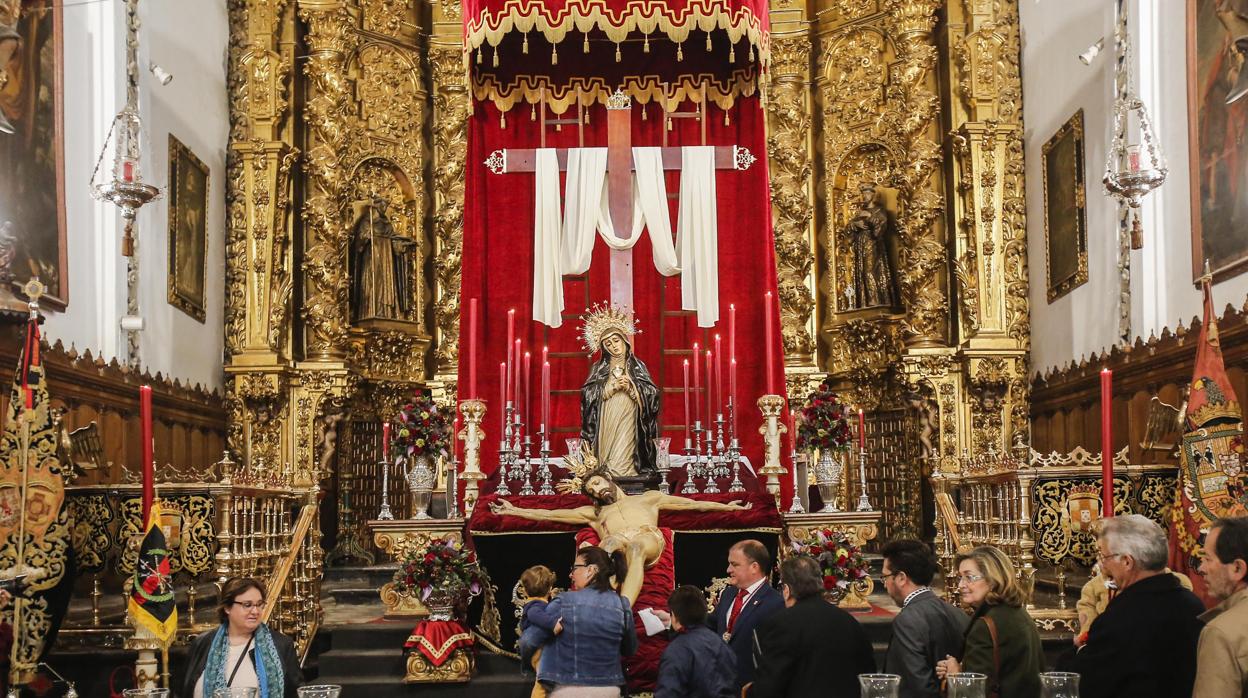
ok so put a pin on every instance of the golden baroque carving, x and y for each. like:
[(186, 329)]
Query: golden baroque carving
[(389, 355), (384, 16), (789, 122), (450, 132), (256, 404), (327, 115), (457, 669), (865, 351), (390, 99)]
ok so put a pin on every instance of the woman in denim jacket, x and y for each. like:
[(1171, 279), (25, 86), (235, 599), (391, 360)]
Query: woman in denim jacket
[(593, 628)]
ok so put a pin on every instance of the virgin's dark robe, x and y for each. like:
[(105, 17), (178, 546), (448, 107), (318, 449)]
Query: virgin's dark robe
[(592, 401)]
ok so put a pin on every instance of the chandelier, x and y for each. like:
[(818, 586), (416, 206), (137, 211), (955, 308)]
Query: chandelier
[(125, 187), (1128, 177)]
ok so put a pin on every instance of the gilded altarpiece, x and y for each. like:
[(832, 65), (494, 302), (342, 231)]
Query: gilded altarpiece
[(902, 117), (343, 245)]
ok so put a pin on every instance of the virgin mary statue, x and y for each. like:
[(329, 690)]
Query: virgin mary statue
[(619, 401)]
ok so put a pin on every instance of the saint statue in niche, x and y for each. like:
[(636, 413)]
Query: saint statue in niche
[(619, 400), (872, 279), (381, 266)]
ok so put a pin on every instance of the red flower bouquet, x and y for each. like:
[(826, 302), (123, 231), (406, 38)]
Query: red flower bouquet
[(446, 567), (422, 428), (841, 561), (823, 422)]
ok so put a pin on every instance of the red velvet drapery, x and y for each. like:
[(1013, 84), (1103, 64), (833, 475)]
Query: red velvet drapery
[(498, 270)]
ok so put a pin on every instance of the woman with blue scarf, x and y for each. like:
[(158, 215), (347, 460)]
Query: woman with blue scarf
[(242, 652)]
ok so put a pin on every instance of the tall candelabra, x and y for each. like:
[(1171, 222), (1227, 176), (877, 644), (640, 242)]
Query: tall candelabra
[(385, 514), (864, 504)]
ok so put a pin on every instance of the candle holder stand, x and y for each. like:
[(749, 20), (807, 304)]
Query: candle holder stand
[(473, 412), (526, 488), (771, 429), (691, 460), (709, 466), (385, 514), (543, 472), (864, 504), (796, 506)]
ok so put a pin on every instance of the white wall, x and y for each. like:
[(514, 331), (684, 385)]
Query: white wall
[(1055, 85), (187, 38)]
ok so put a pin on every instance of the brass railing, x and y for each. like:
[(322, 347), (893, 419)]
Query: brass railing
[(242, 525), (1040, 512), (294, 585)]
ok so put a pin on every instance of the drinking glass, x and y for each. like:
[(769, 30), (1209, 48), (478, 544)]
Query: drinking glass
[(1059, 684), (967, 685), (879, 685), (146, 693), (235, 692), (320, 691)]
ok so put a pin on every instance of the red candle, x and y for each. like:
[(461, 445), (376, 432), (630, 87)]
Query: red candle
[(732, 392), (719, 374), (545, 354), (687, 423), (545, 395), (768, 340), (862, 432), (515, 390), (710, 412), (472, 348), (732, 331), (697, 404), (528, 393), (502, 397), (511, 337), (145, 431), (1107, 442), (385, 442)]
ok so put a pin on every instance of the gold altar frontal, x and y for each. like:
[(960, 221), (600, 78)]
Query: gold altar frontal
[(859, 526)]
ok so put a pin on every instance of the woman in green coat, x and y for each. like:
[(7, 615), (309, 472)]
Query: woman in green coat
[(1001, 641)]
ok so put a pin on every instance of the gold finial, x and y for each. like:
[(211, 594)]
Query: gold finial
[(34, 290), (1207, 277)]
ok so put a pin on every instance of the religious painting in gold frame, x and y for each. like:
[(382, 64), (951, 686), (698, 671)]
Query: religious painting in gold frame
[(1065, 217), (188, 229), (32, 157), (1219, 154)]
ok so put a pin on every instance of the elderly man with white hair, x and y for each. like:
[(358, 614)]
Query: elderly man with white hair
[(1144, 645)]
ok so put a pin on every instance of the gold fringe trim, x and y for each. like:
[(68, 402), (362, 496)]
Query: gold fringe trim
[(587, 90), (645, 16), (438, 651)]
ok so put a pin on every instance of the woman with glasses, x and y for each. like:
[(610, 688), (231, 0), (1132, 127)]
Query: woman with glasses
[(593, 627), (1001, 641), (242, 652)]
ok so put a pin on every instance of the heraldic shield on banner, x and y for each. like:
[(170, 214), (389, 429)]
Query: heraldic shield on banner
[(1210, 465), (1083, 507), (1212, 475)]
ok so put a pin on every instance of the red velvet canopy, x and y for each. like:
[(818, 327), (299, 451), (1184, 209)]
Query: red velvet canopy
[(563, 51)]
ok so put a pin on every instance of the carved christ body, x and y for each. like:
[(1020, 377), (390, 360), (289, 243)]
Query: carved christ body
[(628, 523)]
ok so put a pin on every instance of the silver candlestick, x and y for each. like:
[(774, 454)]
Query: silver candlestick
[(527, 488), (864, 504), (796, 507), (692, 454), (736, 485), (544, 471), (385, 514)]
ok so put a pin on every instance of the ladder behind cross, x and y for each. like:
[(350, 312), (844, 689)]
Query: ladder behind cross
[(619, 172)]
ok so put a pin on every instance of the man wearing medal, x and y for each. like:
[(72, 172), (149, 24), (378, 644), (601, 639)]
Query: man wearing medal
[(749, 601)]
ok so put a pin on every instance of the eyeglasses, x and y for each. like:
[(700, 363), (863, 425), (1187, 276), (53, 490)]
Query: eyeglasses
[(1102, 557), (969, 578), (581, 565), (249, 605), (890, 574)]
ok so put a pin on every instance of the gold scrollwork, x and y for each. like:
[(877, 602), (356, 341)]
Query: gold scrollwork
[(92, 518), (1058, 539), (457, 669)]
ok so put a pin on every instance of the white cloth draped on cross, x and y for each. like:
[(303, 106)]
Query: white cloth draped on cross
[(563, 240)]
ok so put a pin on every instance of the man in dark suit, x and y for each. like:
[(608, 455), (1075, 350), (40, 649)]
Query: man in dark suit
[(1144, 644), (811, 648), (928, 628), (749, 601)]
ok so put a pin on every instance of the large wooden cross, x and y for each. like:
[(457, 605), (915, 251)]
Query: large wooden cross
[(619, 173)]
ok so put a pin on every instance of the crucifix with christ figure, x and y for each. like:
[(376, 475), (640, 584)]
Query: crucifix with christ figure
[(620, 168)]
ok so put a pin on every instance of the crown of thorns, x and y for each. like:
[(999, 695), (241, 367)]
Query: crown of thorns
[(581, 466)]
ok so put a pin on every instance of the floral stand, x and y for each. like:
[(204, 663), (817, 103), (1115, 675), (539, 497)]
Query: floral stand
[(439, 651)]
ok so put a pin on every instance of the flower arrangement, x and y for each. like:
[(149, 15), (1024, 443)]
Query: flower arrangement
[(446, 567), (823, 421), (841, 561), (421, 429)]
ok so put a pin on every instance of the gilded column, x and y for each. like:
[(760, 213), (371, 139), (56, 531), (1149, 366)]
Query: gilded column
[(326, 231), (922, 272), (990, 247), (790, 125), (259, 255), (451, 106)]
